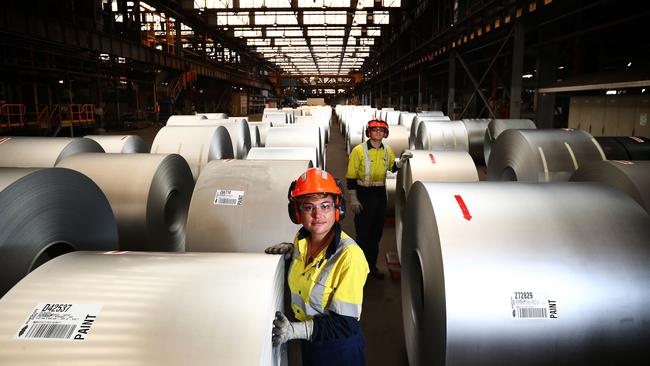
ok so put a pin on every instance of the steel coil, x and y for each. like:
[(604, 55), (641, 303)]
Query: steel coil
[(630, 177), (238, 131), (625, 147), (309, 121), (149, 194), (145, 309), (393, 117), (413, 132), (442, 136), (541, 155), (255, 136), (398, 139), (263, 128), (391, 190), (241, 206), (186, 119), (198, 145), (45, 213), (297, 137), (406, 119), (525, 274), (284, 153), (476, 136), (429, 166), (42, 152), (279, 118), (126, 144), (215, 115), (497, 126)]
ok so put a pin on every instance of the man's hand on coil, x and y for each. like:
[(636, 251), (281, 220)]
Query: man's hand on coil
[(355, 205), (406, 155), (284, 330), (280, 248)]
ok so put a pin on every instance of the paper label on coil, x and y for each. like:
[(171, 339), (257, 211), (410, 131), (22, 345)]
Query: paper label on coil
[(228, 197), (59, 322), (643, 119), (531, 305)]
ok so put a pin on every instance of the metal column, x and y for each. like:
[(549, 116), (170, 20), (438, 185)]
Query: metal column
[(517, 70)]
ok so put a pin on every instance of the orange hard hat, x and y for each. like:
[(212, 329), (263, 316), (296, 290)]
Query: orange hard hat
[(314, 180), (377, 123)]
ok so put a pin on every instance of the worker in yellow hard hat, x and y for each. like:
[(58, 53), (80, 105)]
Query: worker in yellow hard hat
[(326, 276)]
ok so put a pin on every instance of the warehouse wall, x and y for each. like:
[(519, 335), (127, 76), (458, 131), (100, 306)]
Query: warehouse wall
[(616, 115)]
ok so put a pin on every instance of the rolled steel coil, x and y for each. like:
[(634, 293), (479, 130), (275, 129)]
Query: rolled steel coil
[(45, 213), (42, 152), (297, 137), (630, 177), (241, 206), (476, 136), (185, 119), (497, 126), (145, 309), (431, 113), (442, 136), (264, 129), (279, 117), (429, 166), (391, 189), (525, 274), (255, 136), (126, 144), (149, 194), (406, 119), (284, 153), (198, 145), (309, 121), (215, 115), (393, 117), (416, 125), (625, 147), (541, 155), (398, 139), (238, 131)]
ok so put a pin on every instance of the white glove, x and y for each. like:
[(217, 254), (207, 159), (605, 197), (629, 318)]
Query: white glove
[(280, 248), (284, 330), (406, 155), (355, 205)]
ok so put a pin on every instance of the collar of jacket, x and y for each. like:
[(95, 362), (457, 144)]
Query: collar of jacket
[(381, 146), (331, 249)]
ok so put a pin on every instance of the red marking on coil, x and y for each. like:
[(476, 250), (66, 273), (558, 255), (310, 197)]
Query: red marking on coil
[(117, 252), (463, 207), (433, 160), (124, 137), (228, 160), (4, 139), (568, 129), (637, 139)]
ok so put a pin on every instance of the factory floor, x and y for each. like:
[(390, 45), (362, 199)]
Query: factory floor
[(381, 319)]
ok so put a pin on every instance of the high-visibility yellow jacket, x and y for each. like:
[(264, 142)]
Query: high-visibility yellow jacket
[(368, 166), (332, 282)]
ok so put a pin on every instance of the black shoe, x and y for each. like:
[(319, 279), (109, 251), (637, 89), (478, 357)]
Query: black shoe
[(375, 273)]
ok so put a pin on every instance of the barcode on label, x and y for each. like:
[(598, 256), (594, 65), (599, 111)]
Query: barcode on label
[(57, 331), (226, 201), (229, 197), (541, 313)]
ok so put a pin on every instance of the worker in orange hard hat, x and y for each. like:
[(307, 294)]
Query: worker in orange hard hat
[(366, 182), (326, 276)]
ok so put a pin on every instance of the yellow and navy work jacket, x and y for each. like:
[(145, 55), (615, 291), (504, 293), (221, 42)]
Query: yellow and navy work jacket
[(332, 282), (367, 166)]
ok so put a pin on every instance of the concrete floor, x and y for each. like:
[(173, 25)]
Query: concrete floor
[(381, 319)]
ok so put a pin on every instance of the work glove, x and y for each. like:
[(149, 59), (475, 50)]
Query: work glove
[(355, 205), (406, 155), (280, 248), (285, 330)]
